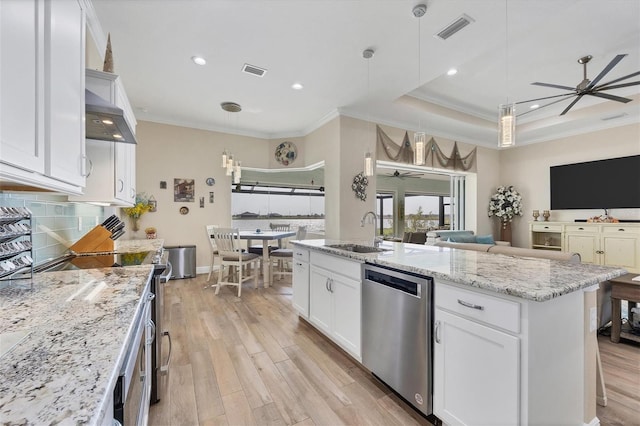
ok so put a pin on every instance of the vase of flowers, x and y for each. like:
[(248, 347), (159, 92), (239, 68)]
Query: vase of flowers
[(505, 204), (139, 208)]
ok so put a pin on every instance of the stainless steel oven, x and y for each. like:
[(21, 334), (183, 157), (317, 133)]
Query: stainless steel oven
[(160, 366), (133, 387)]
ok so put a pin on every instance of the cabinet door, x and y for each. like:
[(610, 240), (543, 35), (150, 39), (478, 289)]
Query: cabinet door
[(320, 299), (301, 287), (346, 313), (584, 244), (64, 94), (131, 172), (21, 143), (476, 373), (623, 251), (122, 185)]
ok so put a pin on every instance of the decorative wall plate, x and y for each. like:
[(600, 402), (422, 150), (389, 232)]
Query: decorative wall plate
[(184, 210), (286, 153), (359, 186), (210, 181)]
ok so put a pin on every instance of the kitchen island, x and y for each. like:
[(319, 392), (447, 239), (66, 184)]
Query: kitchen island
[(68, 332), (514, 337)]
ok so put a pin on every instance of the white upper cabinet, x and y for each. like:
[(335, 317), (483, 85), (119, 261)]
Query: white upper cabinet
[(112, 165), (42, 47)]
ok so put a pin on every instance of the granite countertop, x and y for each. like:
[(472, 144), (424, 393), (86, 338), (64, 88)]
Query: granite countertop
[(523, 277), (136, 246), (77, 324)]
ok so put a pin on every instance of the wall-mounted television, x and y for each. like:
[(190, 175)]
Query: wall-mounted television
[(605, 184)]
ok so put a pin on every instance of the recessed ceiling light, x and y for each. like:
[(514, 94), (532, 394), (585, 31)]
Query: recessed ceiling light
[(534, 106), (297, 86), (452, 71), (117, 136), (105, 121), (198, 60)]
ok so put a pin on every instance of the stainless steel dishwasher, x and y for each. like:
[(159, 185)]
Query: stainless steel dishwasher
[(397, 324)]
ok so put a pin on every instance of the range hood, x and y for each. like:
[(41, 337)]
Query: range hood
[(105, 121)]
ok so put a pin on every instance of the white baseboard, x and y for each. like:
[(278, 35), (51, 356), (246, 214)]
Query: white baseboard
[(594, 422), (205, 269)]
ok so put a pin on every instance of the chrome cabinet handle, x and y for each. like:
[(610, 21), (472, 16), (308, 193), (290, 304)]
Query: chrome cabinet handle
[(437, 332), (470, 305), (621, 229), (326, 284), (121, 182), (87, 174), (164, 369), (153, 331), (581, 229), (331, 285)]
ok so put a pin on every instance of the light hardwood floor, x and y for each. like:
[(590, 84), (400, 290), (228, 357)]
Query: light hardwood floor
[(251, 361)]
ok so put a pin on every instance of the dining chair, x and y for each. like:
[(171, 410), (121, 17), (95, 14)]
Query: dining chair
[(283, 257), (214, 248), (231, 256), (282, 227)]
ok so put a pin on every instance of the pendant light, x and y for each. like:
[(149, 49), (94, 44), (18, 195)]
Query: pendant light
[(506, 111), (369, 165), (232, 167), (419, 138), (224, 159)]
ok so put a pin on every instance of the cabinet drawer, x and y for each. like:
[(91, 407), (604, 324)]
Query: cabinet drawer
[(481, 307), (540, 227), (300, 254), (338, 265), (581, 228), (621, 229)]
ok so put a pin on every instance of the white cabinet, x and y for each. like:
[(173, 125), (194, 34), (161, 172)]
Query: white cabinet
[(335, 299), (607, 244), (610, 244), (42, 94), (301, 281), (112, 165), (111, 177), (476, 379)]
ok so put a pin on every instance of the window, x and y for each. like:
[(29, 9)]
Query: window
[(424, 212), (384, 210), (256, 206)]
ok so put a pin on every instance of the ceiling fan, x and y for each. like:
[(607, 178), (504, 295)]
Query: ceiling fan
[(404, 174), (588, 87)]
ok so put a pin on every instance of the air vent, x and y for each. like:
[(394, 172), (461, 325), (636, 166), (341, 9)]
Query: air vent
[(614, 117), (252, 69), (454, 27)]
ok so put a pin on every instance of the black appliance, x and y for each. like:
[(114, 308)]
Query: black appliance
[(605, 184)]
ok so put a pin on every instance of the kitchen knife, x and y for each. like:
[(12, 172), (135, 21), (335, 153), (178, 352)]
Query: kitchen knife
[(108, 220), (112, 223), (118, 227), (118, 234)]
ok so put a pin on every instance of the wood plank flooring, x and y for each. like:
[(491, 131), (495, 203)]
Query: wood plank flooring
[(251, 361)]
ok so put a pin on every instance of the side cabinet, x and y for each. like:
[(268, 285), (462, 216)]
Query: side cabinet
[(42, 94), (476, 364), (335, 300), (301, 281)]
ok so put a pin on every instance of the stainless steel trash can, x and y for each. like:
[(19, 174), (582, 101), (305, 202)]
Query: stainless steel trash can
[(183, 261)]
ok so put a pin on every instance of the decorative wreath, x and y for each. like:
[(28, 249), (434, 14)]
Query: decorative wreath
[(359, 186)]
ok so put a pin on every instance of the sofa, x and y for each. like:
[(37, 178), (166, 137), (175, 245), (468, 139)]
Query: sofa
[(513, 251), (461, 236)]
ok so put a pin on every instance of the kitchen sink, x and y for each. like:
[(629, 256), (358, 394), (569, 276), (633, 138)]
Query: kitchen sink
[(357, 248)]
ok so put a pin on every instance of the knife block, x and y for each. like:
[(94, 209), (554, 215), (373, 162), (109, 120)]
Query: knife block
[(95, 241)]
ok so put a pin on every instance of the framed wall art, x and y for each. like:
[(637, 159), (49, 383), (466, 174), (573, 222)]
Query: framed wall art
[(183, 190)]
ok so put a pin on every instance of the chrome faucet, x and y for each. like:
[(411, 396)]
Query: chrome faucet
[(366, 215)]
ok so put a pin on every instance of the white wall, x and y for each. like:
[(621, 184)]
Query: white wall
[(527, 168)]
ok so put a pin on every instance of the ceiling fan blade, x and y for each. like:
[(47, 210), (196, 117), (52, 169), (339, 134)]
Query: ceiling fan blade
[(620, 79), (540, 107), (546, 97), (610, 97), (617, 86), (556, 86), (566, 110), (606, 69)]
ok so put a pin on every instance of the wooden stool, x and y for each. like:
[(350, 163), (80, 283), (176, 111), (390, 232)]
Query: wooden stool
[(625, 288)]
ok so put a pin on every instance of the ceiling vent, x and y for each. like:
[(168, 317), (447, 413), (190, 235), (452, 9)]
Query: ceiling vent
[(454, 27), (614, 117), (253, 70)]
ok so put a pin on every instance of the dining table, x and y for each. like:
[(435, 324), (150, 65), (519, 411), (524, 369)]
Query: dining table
[(265, 237)]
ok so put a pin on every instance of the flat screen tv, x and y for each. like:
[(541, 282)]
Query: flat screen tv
[(604, 184)]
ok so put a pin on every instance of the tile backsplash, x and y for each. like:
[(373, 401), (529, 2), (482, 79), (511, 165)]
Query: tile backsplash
[(57, 223)]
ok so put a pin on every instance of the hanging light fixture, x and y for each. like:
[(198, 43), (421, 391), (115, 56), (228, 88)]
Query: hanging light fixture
[(237, 172), (506, 111), (419, 137), (369, 165), (224, 159)]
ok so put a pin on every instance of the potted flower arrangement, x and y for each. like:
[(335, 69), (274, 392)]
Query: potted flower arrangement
[(139, 208), (505, 204)]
